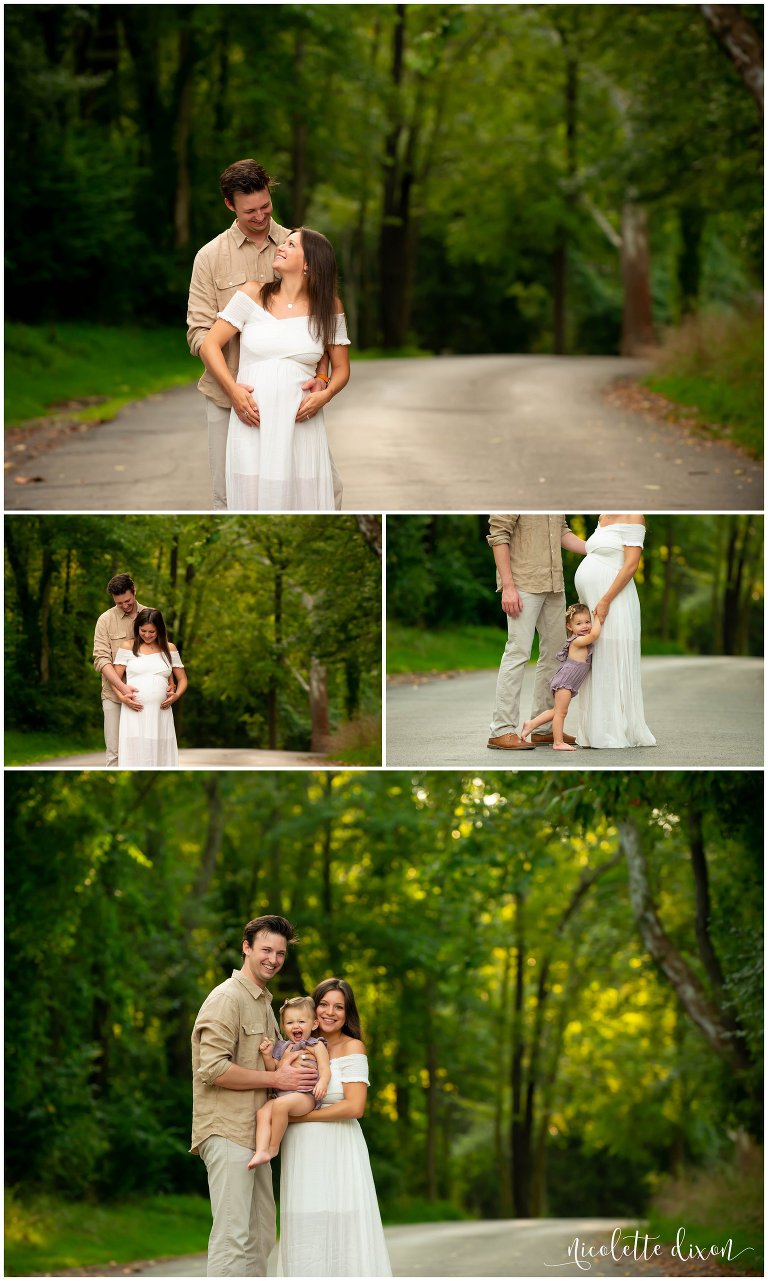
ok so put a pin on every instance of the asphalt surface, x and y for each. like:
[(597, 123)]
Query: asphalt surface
[(702, 711), (505, 1248), (446, 433), (222, 758)]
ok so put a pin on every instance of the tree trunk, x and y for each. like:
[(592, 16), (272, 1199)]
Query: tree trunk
[(275, 679), (703, 1011), (395, 235), (299, 140), (318, 705), (519, 1147), (637, 318), (691, 219), (431, 1091), (560, 255), (503, 1172), (741, 42), (669, 570)]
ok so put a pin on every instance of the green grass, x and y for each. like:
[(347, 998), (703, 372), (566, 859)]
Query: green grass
[(25, 748), (748, 1264), (415, 649), (54, 364), (714, 365), (358, 756), (45, 1235)]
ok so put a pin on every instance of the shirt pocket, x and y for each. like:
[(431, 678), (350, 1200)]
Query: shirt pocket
[(252, 1033), (227, 286)]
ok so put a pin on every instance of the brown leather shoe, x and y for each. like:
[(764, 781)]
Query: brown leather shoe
[(546, 740), (510, 743)]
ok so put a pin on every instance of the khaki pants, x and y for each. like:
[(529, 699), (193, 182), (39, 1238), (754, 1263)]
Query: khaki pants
[(543, 612), (218, 427), (111, 728), (243, 1207)]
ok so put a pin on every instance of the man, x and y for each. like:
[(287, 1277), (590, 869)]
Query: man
[(245, 251), (229, 1083), (529, 574), (114, 629)]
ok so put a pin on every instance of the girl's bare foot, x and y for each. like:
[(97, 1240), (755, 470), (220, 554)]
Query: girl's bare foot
[(525, 731), (258, 1158), (562, 747)]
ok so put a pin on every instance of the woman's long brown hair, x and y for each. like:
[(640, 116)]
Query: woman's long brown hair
[(320, 262), (155, 618)]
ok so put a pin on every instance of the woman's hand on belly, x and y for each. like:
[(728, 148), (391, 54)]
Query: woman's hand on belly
[(244, 405)]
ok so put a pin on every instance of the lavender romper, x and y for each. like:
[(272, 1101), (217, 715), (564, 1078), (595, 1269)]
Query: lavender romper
[(571, 674), (278, 1051)]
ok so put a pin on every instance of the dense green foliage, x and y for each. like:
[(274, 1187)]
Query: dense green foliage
[(529, 1055), (700, 579), (277, 619), (481, 169)]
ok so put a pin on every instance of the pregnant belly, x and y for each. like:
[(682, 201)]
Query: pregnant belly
[(151, 689)]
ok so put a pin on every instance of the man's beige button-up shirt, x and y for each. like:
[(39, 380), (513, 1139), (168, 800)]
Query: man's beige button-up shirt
[(221, 267), (232, 1022), (535, 550), (113, 630)]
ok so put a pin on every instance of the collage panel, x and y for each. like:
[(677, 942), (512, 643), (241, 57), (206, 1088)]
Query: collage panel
[(599, 641), (550, 985), (145, 642), (402, 862)]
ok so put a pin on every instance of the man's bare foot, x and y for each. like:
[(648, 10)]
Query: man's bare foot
[(562, 747), (259, 1158), (525, 731)]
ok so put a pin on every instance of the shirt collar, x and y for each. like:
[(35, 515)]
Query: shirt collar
[(252, 988), (241, 239)]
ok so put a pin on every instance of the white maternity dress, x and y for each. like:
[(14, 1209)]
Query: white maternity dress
[(147, 738), (611, 702), (330, 1225), (280, 465)]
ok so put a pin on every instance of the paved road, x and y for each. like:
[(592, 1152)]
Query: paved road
[(446, 433), (507, 1248), (222, 758), (702, 711)]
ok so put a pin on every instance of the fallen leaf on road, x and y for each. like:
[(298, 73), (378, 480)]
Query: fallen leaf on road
[(28, 480)]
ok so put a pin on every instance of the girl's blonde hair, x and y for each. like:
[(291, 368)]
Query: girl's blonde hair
[(573, 610), (296, 1001)]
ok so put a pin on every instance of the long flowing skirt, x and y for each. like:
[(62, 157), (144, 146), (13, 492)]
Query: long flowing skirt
[(611, 710), (330, 1225)]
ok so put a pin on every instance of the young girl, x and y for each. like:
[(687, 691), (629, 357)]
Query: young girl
[(299, 1021), (575, 661)]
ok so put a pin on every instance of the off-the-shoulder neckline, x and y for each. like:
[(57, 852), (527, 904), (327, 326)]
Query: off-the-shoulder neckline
[(357, 1055), (278, 318)]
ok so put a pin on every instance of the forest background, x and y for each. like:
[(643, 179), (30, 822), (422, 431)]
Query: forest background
[(278, 620), (560, 987), (495, 178), (700, 583)]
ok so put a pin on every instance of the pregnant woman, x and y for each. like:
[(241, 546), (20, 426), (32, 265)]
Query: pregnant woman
[(148, 738), (274, 462), (611, 703), (330, 1225)]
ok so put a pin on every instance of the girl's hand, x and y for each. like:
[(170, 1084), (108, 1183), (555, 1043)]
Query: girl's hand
[(601, 610), (266, 1046), (320, 1090), (311, 405)]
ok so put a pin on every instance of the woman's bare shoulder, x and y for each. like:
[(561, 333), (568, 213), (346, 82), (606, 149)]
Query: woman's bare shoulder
[(252, 289), (354, 1047), (634, 518), (172, 646), (338, 305)]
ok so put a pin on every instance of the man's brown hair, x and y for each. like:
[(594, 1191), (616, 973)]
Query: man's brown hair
[(245, 176), (119, 584)]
